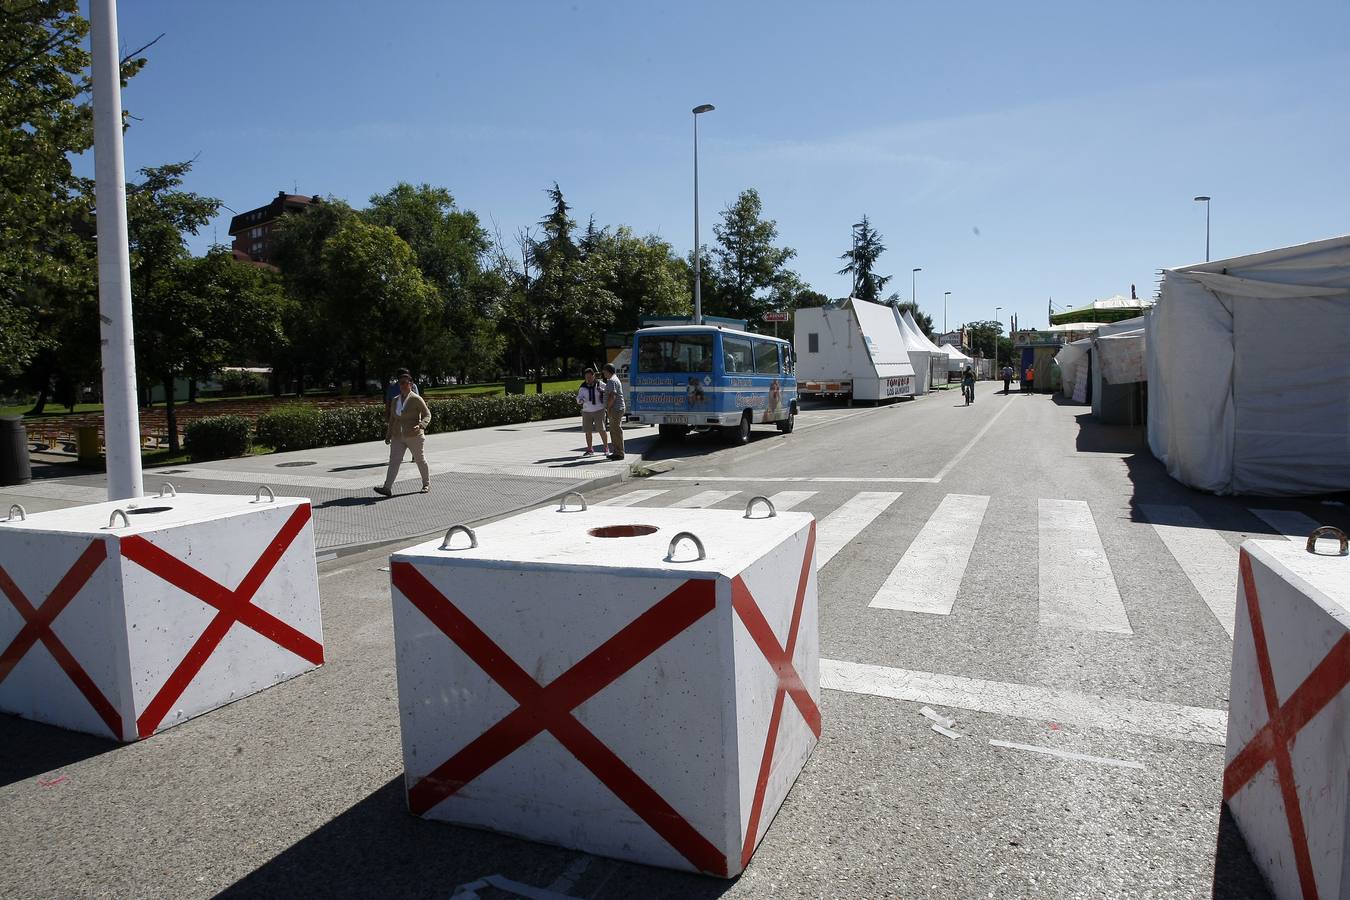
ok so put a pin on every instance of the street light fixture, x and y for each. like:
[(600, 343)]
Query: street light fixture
[(945, 295), (1205, 200), (913, 281), (698, 270)]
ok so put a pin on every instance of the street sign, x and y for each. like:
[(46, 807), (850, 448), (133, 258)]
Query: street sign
[(776, 317)]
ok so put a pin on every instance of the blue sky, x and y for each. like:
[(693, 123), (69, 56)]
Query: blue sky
[(1016, 152)]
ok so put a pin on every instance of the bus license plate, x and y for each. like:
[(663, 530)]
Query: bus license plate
[(677, 420)]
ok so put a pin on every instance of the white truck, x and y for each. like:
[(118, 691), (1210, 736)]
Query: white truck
[(854, 351)]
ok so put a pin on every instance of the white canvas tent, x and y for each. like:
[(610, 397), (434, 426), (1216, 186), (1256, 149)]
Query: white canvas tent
[(1249, 372), (920, 354), (1072, 360), (854, 349), (956, 360), (938, 366)]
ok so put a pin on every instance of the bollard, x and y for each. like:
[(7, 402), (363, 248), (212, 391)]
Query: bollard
[(636, 683), (1288, 754), (122, 619)]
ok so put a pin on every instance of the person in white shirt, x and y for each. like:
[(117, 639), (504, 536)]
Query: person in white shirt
[(591, 399)]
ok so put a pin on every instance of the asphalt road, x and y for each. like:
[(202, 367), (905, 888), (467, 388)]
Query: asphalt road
[(297, 791)]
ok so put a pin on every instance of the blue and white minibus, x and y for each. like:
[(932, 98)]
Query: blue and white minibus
[(683, 377)]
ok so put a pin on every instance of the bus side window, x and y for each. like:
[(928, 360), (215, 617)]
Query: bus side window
[(766, 358), (789, 360), (737, 355)]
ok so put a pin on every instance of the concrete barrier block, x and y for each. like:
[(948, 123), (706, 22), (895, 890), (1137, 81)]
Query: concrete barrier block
[(570, 681), (123, 624), (1288, 751)]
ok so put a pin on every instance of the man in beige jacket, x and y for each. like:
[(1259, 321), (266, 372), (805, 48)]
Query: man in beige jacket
[(405, 428)]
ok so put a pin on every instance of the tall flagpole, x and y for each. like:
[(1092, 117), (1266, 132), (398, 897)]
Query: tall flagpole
[(121, 419)]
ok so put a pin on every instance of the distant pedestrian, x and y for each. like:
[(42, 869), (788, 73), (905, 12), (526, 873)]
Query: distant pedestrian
[(614, 410), (591, 399), (968, 385), (1029, 379), (405, 429)]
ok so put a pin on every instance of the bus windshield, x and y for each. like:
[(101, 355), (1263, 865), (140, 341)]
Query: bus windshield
[(675, 353)]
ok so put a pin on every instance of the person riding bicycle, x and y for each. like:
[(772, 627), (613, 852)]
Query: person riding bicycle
[(968, 385)]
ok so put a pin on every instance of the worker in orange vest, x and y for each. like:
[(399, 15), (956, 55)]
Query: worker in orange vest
[(1029, 380)]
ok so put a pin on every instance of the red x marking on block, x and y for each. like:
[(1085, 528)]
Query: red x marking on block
[(1271, 743), (549, 707), (789, 682), (38, 627), (233, 605)]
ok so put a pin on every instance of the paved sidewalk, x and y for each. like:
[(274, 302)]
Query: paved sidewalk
[(475, 475)]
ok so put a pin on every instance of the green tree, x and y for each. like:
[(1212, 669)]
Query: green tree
[(158, 216), (316, 345), (46, 255), (983, 337), (379, 295), (921, 318), (644, 276), (862, 259), (451, 247), (749, 268)]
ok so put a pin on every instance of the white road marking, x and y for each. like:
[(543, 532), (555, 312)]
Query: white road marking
[(951, 463), (789, 499), (1293, 525), (844, 524), (632, 497), (1077, 588), (795, 479), (929, 575), (1209, 561), (702, 499), (1068, 754), (1195, 724)]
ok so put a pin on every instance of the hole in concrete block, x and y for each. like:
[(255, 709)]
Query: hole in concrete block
[(615, 531), (146, 510)]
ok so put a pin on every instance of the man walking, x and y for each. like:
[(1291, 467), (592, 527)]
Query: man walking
[(405, 429), (1007, 374), (614, 409)]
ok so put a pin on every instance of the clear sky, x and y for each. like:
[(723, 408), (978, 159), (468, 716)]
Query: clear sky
[(1016, 152)]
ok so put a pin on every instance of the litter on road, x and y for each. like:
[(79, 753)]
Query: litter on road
[(947, 732), (936, 717)]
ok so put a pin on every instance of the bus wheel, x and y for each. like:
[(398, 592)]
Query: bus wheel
[(672, 432), (786, 425), (738, 434)]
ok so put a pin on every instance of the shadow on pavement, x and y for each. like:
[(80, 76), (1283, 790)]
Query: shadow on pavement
[(377, 849), (378, 465), (1235, 874), (352, 501), (31, 748)]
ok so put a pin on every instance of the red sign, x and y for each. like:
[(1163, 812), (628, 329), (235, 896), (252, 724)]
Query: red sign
[(776, 317)]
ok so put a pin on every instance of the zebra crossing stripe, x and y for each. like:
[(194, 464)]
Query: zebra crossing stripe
[(632, 497), (789, 499), (1209, 561), (929, 575), (1293, 525), (1077, 587), (702, 499), (847, 522), (1196, 724)]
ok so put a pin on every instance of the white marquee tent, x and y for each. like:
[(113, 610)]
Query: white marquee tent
[(956, 360), (1249, 372)]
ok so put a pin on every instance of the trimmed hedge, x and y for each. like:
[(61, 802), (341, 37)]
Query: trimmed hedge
[(351, 425), (300, 427), (294, 426), (217, 437)]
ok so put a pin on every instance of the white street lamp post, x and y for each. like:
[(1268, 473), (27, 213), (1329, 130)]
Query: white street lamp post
[(121, 419), (913, 282), (698, 271), (1205, 200), (945, 295)]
